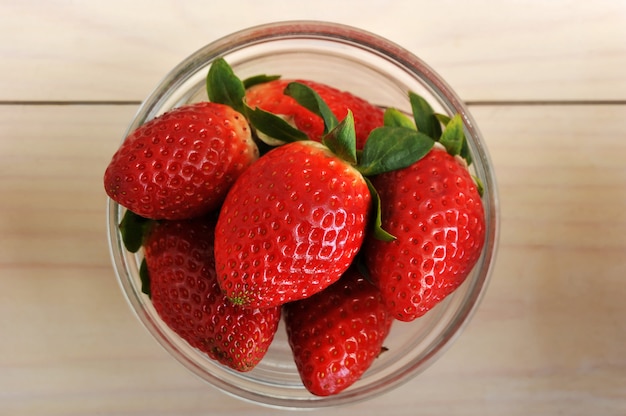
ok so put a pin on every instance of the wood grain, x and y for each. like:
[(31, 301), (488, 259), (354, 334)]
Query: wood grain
[(546, 85), (548, 338), (487, 50)]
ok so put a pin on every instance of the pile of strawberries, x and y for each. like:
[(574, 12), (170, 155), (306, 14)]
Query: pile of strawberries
[(290, 198)]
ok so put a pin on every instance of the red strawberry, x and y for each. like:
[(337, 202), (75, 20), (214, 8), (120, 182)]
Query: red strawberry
[(270, 97), (186, 295), (336, 335), (434, 209), (181, 164), (290, 225)]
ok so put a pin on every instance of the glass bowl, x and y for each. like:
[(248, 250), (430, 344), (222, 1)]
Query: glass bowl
[(381, 72)]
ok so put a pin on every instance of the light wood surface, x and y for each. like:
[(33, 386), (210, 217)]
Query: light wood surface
[(547, 86)]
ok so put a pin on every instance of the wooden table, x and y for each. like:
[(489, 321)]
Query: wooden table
[(546, 82)]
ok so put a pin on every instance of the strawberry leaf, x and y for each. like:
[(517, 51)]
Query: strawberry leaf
[(479, 185), (396, 118), (273, 128), (393, 148), (259, 79), (309, 99), (144, 275), (342, 139), (133, 228), (359, 262), (424, 116), (453, 136), (465, 151), (377, 230), (443, 119), (224, 87)]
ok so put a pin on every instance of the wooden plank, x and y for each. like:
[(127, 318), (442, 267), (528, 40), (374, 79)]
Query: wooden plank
[(548, 338), (487, 50)]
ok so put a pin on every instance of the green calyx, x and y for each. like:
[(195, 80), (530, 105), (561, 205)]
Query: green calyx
[(427, 121), (424, 116), (377, 224), (224, 87), (259, 79), (400, 142), (391, 148), (134, 229)]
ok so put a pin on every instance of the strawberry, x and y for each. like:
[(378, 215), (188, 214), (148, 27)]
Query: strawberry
[(336, 335), (294, 221), (270, 97), (290, 225), (434, 210), (185, 293), (181, 164)]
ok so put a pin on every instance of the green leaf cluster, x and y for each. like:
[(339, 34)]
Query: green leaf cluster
[(400, 142), (134, 229)]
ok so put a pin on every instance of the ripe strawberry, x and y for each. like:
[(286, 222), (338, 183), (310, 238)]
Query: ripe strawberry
[(336, 335), (186, 295), (181, 164), (434, 210), (270, 97), (290, 225)]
